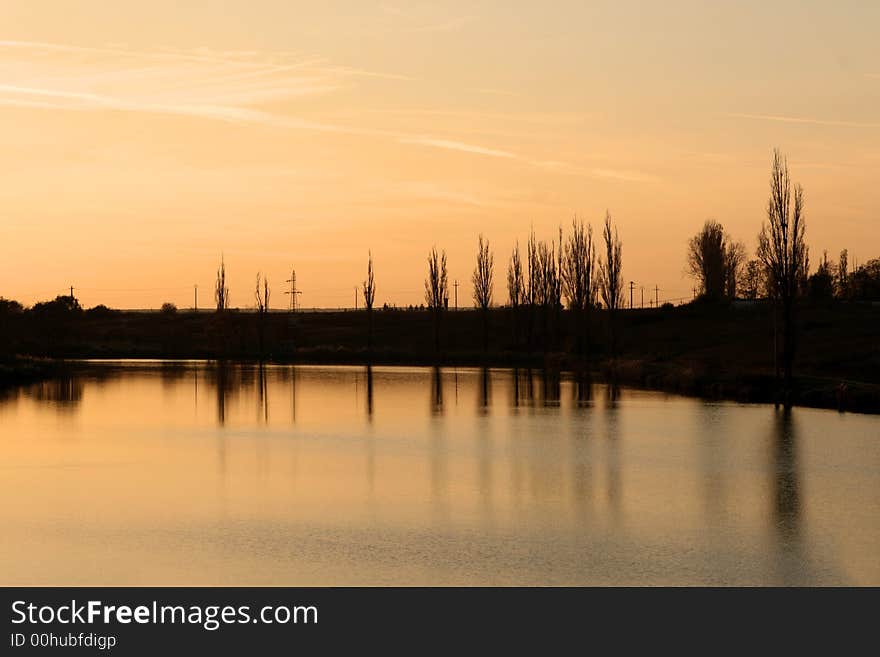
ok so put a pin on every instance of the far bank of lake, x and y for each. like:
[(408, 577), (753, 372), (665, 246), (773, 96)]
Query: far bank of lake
[(715, 352)]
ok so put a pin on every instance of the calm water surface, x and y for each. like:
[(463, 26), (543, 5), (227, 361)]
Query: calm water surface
[(167, 473)]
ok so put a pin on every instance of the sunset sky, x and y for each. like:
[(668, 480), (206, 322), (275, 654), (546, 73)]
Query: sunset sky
[(140, 140)]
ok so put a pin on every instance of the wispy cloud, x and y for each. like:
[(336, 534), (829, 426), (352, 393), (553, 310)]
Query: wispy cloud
[(17, 96), (497, 92), (623, 175), (229, 86), (429, 191), (458, 146), (803, 120), (224, 85), (447, 25)]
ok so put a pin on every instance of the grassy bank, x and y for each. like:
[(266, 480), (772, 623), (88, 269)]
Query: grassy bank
[(23, 370), (710, 351)]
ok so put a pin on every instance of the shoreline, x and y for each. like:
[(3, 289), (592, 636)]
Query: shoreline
[(700, 350), (686, 379)]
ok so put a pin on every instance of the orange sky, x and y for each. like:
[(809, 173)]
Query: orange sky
[(141, 140)]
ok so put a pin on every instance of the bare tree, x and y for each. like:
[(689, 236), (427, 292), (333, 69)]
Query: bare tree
[(369, 287), (533, 275), (516, 293), (436, 290), (611, 277), (533, 271), (482, 278), (483, 275), (546, 286), (803, 277), (221, 292), (783, 252), (821, 284), (261, 294), (734, 259), (706, 259), (578, 266), (578, 277), (842, 282), (751, 283)]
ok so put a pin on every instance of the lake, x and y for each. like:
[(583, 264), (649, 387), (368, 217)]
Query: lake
[(194, 473)]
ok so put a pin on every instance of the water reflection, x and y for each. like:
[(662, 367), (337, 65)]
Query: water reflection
[(583, 388), (523, 387), (786, 479), (437, 390), (483, 401), (221, 376), (592, 484), (612, 444), (293, 372), (612, 395), (369, 377), (437, 449), (64, 393), (551, 387), (262, 394), (712, 454), (172, 372)]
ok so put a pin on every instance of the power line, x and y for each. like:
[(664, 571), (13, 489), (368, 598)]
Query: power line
[(293, 291)]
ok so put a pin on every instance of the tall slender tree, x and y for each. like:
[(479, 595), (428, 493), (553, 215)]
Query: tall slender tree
[(261, 294), (369, 289), (611, 277), (783, 252), (579, 280), (751, 284), (533, 277), (483, 279), (842, 282), (436, 290), (221, 292), (734, 262), (516, 292), (547, 286)]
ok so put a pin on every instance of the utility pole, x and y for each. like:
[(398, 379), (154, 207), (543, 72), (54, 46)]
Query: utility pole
[(196, 298), (355, 297), (455, 285), (656, 296), (293, 291), (71, 291), (643, 296), (632, 286)]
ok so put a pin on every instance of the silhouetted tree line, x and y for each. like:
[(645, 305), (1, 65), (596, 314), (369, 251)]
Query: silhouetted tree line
[(570, 271)]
